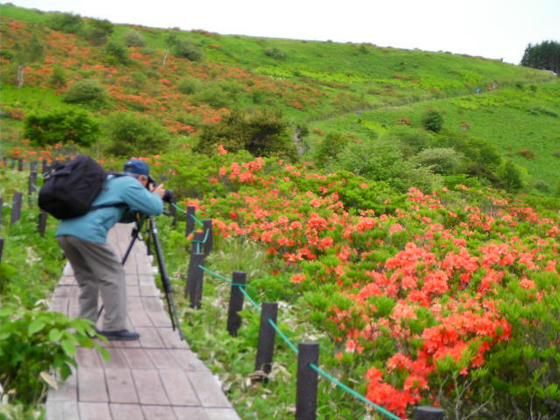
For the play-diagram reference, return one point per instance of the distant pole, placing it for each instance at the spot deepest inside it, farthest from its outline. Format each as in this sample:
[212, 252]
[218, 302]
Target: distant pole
[307, 381]
[1, 248]
[42, 223]
[16, 208]
[236, 300]
[267, 337]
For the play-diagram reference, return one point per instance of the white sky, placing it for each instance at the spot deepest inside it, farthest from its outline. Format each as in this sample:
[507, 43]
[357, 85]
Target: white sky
[488, 28]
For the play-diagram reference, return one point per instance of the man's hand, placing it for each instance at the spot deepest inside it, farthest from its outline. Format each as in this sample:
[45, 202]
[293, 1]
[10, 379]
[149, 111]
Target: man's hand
[158, 190]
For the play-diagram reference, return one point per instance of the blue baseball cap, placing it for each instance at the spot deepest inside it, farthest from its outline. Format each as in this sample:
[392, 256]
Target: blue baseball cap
[137, 167]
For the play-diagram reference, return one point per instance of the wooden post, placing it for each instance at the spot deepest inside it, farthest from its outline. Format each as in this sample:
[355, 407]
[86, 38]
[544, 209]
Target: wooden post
[173, 214]
[1, 209]
[195, 279]
[196, 243]
[191, 210]
[32, 183]
[267, 337]
[42, 223]
[16, 208]
[236, 299]
[1, 248]
[44, 165]
[307, 381]
[13, 165]
[209, 243]
[429, 413]
[20, 165]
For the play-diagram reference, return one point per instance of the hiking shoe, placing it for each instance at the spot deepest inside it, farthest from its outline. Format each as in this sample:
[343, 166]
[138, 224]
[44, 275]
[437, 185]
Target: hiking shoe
[122, 335]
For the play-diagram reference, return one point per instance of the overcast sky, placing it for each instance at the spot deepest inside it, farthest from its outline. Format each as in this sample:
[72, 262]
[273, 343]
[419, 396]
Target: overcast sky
[487, 28]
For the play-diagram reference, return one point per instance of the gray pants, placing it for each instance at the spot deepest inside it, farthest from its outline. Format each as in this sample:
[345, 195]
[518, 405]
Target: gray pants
[97, 271]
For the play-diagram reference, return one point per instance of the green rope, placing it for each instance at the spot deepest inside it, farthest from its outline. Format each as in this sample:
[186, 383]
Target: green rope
[197, 220]
[354, 393]
[178, 208]
[286, 339]
[295, 349]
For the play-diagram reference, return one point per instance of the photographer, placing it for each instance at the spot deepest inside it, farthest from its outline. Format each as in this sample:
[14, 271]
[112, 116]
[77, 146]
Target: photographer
[84, 242]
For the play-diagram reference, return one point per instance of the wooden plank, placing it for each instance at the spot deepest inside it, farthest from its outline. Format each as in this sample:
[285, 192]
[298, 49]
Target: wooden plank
[208, 390]
[221, 414]
[94, 411]
[149, 387]
[189, 361]
[88, 357]
[139, 318]
[190, 413]
[57, 410]
[120, 385]
[158, 412]
[126, 412]
[178, 388]
[171, 338]
[117, 359]
[137, 359]
[162, 359]
[91, 385]
[149, 338]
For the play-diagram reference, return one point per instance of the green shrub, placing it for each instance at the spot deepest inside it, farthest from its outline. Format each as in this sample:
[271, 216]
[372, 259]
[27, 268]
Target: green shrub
[189, 86]
[49, 128]
[58, 78]
[510, 176]
[260, 132]
[412, 140]
[98, 31]
[133, 38]
[116, 53]
[275, 52]
[432, 121]
[327, 150]
[215, 96]
[66, 22]
[33, 344]
[87, 91]
[444, 161]
[135, 135]
[186, 49]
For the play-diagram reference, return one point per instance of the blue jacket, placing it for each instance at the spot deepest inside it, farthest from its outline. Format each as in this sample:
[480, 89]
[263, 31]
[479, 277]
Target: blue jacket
[93, 226]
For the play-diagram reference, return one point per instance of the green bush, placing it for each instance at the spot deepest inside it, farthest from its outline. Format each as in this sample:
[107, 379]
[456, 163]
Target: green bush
[58, 78]
[412, 140]
[116, 53]
[327, 150]
[510, 176]
[98, 31]
[135, 135]
[261, 133]
[432, 121]
[33, 344]
[66, 22]
[186, 49]
[215, 96]
[189, 86]
[275, 52]
[87, 91]
[440, 160]
[49, 128]
[133, 38]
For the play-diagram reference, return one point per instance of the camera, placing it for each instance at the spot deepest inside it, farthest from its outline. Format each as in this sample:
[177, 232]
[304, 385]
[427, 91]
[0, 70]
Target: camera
[167, 195]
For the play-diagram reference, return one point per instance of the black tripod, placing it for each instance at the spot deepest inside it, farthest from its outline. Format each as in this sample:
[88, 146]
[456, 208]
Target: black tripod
[166, 283]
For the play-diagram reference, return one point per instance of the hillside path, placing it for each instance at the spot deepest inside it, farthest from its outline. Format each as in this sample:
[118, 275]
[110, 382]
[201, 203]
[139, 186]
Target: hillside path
[156, 377]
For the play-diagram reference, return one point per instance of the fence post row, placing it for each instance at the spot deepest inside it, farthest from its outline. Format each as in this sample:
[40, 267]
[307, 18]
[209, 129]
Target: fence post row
[236, 299]
[267, 337]
[16, 208]
[307, 381]
[209, 242]
[191, 210]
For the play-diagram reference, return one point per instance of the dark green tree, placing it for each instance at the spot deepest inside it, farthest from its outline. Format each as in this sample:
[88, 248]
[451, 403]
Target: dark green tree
[260, 132]
[58, 126]
[98, 31]
[545, 56]
[31, 51]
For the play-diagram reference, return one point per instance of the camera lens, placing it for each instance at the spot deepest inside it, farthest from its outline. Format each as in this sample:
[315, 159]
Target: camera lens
[168, 196]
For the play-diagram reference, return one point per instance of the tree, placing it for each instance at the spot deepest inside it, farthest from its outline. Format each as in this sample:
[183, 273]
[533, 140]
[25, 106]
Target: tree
[59, 126]
[98, 31]
[545, 56]
[32, 51]
[261, 133]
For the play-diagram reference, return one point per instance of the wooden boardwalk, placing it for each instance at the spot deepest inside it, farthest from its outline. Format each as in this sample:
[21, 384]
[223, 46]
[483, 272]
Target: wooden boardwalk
[156, 377]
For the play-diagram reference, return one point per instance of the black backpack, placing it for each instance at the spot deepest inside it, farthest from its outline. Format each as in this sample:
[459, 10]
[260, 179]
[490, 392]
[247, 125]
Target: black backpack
[70, 188]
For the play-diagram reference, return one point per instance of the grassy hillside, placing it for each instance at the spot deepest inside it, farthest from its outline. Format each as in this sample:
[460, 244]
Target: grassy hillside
[323, 86]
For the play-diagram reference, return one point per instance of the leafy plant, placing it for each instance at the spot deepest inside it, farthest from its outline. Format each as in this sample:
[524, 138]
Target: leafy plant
[36, 343]
[433, 121]
[60, 126]
[87, 91]
[133, 38]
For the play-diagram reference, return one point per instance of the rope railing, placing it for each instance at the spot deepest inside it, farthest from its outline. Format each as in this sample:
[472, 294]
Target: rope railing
[289, 343]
